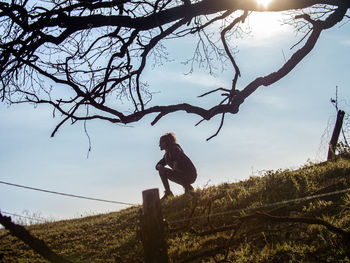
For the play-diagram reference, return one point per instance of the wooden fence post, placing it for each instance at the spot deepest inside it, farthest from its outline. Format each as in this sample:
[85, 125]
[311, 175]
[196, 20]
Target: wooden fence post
[152, 225]
[334, 140]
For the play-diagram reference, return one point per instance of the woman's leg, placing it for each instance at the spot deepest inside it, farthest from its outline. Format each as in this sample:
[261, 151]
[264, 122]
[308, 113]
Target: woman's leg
[188, 188]
[163, 173]
[183, 179]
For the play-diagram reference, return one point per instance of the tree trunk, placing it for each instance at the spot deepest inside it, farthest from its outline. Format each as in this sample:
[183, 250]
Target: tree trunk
[335, 135]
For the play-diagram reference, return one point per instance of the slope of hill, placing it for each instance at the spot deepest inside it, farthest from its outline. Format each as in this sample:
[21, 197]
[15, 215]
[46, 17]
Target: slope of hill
[210, 226]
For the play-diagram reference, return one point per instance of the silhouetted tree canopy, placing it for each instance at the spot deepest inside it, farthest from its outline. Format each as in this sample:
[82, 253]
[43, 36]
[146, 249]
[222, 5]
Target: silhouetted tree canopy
[83, 57]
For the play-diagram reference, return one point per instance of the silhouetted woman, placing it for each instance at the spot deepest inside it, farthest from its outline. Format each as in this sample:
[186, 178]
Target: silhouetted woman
[181, 171]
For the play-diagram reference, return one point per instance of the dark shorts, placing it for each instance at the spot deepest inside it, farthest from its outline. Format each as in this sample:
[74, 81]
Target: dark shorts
[183, 178]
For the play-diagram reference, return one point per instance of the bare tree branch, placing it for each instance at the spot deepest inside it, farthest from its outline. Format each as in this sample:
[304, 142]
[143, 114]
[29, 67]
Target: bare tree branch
[36, 244]
[305, 220]
[77, 54]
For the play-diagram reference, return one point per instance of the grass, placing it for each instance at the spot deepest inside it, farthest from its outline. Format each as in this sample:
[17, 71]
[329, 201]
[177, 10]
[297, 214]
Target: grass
[228, 235]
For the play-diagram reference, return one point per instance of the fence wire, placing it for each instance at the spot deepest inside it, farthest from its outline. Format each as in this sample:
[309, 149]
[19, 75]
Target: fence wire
[70, 195]
[37, 219]
[239, 210]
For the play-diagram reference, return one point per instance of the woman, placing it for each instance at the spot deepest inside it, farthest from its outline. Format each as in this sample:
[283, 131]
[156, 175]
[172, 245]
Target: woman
[181, 171]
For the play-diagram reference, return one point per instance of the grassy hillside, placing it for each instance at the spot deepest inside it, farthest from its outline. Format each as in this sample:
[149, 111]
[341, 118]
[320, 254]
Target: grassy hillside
[309, 230]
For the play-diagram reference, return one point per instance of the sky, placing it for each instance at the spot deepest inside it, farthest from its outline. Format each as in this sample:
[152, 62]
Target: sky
[282, 126]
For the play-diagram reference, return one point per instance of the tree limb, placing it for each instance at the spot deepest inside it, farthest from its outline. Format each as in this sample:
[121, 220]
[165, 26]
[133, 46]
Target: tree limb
[315, 221]
[94, 50]
[36, 244]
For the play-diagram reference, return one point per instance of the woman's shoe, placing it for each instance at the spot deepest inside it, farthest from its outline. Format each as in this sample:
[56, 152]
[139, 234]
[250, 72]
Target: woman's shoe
[167, 194]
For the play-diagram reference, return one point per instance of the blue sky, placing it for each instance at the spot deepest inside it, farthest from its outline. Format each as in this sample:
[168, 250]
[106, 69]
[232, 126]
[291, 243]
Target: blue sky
[279, 126]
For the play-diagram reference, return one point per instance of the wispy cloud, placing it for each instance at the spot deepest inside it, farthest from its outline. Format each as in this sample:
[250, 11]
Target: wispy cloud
[345, 42]
[200, 79]
[276, 102]
[24, 115]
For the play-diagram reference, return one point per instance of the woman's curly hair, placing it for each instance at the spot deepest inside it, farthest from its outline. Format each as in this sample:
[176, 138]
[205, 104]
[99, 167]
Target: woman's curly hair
[169, 138]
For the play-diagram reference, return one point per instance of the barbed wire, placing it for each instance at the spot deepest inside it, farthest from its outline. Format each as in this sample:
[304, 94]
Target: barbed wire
[238, 210]
[42, 220]
[70, 195]
[325, 138]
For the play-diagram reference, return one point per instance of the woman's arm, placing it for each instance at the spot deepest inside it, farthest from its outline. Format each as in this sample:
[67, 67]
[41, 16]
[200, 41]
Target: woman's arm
[160, 164]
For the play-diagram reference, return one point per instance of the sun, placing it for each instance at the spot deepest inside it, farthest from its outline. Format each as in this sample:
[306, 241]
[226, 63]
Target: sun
[265, 25]
[263, 3]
